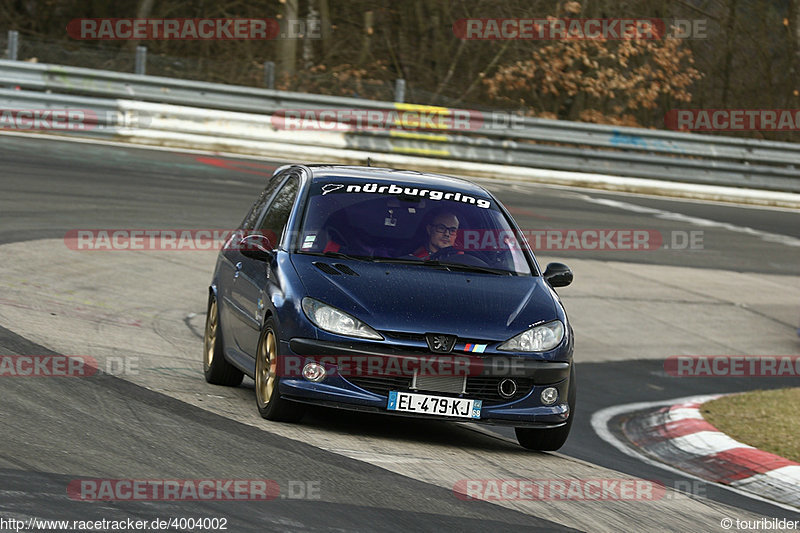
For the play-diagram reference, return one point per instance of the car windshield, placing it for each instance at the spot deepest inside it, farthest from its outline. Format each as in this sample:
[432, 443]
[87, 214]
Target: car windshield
[407, 223]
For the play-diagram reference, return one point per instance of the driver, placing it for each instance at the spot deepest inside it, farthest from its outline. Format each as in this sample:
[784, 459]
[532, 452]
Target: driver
[441, 234]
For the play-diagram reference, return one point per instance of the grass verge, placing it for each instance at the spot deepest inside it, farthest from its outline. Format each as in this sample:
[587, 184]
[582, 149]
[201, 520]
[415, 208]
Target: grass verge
[767, 420]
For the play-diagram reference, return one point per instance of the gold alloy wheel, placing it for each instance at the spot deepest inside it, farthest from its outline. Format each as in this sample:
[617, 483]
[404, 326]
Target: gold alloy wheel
[210, 338]
[266, 369]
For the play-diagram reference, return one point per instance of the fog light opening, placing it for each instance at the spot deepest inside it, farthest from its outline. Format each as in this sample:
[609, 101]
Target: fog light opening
[314, 372]
[549, 395]
[507, 388]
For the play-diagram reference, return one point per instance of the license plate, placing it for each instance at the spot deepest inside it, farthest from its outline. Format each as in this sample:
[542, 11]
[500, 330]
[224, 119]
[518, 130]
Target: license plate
[410, 402]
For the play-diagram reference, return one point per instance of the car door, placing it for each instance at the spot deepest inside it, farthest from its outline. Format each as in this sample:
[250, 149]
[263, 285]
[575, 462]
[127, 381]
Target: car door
[249, 291]
[233, 261]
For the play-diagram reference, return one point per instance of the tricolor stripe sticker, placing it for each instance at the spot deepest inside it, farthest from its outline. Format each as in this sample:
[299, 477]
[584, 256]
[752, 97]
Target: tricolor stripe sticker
[477, 348]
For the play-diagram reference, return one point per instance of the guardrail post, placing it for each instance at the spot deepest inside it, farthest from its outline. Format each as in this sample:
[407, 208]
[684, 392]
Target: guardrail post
[400, 90]
[141, 60]
[269, 74]
[13, 44]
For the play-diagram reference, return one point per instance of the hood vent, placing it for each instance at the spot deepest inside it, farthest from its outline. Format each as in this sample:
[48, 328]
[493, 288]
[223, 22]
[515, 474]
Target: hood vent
[332, 270]
[325, 267]
[345, 269]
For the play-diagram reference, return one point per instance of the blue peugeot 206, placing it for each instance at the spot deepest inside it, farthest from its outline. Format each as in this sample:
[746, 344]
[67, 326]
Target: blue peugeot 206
[396, 292]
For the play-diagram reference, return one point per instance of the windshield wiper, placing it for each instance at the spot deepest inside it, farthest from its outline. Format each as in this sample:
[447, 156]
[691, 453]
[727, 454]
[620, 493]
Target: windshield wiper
[444, 266]
[474, 268]
[399, 260]
[408, 261]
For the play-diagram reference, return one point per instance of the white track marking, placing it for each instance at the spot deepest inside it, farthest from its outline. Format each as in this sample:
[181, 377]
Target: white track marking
[706, 442]
[697, 221]
[684, 414]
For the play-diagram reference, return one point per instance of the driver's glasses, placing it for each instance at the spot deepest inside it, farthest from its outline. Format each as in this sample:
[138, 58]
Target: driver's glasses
[441, 228]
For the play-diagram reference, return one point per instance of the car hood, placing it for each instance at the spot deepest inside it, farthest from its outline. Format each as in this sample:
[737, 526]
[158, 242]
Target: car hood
[419, 299]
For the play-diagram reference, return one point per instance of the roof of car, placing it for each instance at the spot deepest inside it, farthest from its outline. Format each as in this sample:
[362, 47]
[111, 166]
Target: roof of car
[440, 181]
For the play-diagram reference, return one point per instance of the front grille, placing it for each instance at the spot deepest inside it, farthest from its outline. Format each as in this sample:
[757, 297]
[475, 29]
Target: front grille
[478, 388]
[451, 384]
[420, 337]
[401, 335]
[485, 388]
[381, 384]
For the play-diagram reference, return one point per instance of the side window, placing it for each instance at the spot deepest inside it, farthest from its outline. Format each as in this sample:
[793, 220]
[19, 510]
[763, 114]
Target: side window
[277, 216]
[249, 221]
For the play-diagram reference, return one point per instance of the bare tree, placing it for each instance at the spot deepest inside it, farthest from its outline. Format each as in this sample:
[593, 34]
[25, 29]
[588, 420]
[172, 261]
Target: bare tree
[287, 46]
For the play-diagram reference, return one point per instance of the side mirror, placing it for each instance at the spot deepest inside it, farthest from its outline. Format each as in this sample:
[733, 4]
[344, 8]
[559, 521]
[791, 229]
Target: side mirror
[256, 246]
[557, 275]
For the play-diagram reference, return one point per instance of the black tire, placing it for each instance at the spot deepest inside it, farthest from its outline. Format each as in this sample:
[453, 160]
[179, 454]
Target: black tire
[271, 405]
[551, 439]
[216, 368]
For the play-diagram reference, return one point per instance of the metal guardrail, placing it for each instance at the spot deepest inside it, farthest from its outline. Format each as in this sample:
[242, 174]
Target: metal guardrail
[538, 143]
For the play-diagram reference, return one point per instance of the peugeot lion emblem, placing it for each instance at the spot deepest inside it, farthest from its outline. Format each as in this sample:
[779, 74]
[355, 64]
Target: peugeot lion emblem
[440, 343]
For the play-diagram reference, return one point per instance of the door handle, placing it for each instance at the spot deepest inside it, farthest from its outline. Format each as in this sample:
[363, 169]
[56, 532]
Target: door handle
[237, 270]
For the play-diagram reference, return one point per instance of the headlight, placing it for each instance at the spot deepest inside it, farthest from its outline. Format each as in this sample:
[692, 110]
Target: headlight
[331, 319]
[537, 339]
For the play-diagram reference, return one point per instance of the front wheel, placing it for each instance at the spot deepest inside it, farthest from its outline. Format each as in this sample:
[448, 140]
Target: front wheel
[550, 439]
[271, 405]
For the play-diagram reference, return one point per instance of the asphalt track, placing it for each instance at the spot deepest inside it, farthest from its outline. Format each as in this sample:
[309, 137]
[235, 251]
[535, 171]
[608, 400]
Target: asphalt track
[58, 430]
[134, 433]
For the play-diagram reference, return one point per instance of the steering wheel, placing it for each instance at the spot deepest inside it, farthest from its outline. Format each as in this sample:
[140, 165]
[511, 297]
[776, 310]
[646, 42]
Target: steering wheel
[441, 253]
[458, 257]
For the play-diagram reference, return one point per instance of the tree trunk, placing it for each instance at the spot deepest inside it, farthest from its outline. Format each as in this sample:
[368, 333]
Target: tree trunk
[142, 12]
[312, 23]
[793, 38]
[366, 40]
[325, 23]
[730, 25]
[287, 48]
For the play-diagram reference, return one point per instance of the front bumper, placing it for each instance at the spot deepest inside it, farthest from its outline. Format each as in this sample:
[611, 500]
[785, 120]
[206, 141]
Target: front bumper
[336, 390]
